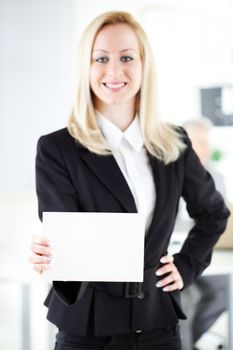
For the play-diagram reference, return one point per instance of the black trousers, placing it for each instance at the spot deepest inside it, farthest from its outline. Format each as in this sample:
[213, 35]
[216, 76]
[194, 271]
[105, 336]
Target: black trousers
[167, 338]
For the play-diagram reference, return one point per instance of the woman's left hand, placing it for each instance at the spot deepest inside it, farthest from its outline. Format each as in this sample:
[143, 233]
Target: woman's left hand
[173, 279]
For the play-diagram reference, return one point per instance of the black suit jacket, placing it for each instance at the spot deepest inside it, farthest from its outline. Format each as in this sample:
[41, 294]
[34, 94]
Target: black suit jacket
[70, 178]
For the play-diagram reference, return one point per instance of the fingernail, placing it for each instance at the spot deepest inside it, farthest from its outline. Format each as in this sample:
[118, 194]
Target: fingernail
[158, 273]
[158, 284]
[163, 260]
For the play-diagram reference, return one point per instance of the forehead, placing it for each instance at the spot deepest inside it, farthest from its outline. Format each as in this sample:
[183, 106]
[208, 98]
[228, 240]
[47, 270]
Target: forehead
[116, 37]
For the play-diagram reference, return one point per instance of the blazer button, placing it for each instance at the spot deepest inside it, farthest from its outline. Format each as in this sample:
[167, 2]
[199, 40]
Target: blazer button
[141, 295]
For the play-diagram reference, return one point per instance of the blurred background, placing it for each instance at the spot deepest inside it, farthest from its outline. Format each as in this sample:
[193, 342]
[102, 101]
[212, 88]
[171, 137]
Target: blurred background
[193, 45]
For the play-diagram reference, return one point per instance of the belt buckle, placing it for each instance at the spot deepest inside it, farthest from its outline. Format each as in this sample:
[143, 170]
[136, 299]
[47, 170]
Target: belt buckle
[132, 289]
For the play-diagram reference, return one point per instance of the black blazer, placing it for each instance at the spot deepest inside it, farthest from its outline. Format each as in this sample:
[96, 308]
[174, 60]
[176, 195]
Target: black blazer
[70, 178]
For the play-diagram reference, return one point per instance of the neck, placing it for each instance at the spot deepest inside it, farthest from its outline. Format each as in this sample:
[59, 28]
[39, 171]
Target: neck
[120, 115]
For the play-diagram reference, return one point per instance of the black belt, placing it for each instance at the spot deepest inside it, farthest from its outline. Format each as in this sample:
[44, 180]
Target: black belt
[133, 289]
[129, 289]
[124, 289]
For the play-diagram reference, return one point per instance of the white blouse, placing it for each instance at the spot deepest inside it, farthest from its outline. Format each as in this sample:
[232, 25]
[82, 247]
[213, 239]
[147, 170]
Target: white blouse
[132, 158]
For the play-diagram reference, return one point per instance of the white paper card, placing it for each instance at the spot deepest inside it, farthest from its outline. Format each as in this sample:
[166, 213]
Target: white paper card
[95, 246]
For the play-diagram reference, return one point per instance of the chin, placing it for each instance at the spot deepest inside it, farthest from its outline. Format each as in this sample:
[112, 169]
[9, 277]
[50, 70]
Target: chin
[114, 101]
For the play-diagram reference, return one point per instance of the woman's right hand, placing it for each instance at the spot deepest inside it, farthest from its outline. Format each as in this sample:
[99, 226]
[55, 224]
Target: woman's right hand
[41, 253]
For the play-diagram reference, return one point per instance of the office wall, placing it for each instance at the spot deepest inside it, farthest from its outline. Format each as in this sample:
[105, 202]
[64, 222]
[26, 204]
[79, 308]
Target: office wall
[37, 47]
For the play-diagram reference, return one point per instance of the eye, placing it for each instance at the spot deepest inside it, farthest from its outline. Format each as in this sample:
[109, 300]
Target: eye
[126, 58]
[101, 59]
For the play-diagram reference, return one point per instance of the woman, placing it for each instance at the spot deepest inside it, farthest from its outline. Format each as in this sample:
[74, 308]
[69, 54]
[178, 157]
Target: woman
[117, 156]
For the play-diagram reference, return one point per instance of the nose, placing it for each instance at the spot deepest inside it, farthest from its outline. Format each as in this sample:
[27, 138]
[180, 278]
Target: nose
[114, 68]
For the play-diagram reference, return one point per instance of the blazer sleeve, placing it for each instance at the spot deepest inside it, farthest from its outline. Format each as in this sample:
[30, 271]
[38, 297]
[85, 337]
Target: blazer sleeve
[206, 207]
[56, 192]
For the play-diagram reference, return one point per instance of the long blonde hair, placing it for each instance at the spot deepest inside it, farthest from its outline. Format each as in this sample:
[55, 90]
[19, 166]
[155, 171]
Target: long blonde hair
[161, 139]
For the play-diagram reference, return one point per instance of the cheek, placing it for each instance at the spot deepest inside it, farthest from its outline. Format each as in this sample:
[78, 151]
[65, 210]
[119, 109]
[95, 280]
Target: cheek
[136, 73]
[95, 74]
[137, 77]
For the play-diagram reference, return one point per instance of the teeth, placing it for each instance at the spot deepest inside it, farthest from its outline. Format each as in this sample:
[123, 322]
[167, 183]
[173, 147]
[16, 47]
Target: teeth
[115, 86]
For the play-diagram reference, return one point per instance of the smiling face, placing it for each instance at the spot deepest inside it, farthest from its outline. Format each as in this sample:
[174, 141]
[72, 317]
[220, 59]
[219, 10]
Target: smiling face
[116, 67]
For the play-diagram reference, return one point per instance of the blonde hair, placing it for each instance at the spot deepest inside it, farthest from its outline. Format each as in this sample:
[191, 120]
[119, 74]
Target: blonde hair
[161, 139]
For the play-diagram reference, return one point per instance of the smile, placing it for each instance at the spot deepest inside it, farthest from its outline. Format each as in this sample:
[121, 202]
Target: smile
[114, 86]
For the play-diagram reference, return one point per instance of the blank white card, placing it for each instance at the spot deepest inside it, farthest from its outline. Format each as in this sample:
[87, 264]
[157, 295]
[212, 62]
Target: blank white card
[95, 246]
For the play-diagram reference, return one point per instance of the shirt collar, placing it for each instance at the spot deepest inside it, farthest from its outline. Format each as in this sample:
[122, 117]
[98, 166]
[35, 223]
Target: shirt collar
[114, 135]
[133, 135]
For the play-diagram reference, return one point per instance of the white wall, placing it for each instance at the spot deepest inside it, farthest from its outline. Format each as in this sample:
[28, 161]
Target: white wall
[37, 47]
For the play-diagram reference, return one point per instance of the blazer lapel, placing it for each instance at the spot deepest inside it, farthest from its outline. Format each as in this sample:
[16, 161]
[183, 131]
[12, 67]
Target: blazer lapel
[163, 185]
[108, 172]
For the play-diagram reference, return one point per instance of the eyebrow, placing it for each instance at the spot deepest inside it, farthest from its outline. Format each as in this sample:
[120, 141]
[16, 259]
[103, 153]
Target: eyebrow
[105, 51]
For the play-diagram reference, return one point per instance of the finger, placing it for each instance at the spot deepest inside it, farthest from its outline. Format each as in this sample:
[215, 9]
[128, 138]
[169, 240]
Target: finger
[172, 287]
[171, 282]
[167, 259]
[40, 267]
[178, 284]
[41, 249]
[165, 269]
[37, 259]
[167, 280]
[41, 240]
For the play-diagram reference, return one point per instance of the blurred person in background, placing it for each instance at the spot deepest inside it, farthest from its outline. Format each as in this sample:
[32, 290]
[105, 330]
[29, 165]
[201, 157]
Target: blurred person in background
[206, 299]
